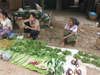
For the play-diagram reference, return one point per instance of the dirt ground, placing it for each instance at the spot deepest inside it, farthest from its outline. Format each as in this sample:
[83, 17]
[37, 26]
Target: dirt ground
[86, 40]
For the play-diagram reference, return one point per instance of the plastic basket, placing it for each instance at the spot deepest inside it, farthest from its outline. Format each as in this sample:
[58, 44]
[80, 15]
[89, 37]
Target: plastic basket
[92, 17]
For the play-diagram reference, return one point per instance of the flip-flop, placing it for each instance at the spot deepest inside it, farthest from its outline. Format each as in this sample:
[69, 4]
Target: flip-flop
[27, 37]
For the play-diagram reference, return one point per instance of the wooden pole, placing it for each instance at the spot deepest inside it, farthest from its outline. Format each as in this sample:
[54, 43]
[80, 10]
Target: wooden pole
[0, 4]
[99, 24]
[98, 9]
[42, 4]
[58, 5]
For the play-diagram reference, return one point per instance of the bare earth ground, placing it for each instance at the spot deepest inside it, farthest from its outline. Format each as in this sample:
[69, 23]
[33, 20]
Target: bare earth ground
[86, 41]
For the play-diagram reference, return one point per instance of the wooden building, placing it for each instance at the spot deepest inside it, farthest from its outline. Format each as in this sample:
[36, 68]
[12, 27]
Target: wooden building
[88, 5]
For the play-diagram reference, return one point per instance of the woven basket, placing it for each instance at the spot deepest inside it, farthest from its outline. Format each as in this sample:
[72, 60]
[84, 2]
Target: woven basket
[92, 17]
[19, 22]
[98, 43]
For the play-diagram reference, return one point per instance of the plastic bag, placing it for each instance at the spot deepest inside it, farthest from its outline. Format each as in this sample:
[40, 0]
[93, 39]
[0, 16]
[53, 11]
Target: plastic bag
[1, 53]
[11, 36]
[38, 8]
[92, 13]
[6, 56]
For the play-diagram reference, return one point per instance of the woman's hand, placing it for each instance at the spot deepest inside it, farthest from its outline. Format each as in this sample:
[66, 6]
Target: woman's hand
[64, 38]
[0, 25]
[27, 27]
[23, 24]
[1, 32]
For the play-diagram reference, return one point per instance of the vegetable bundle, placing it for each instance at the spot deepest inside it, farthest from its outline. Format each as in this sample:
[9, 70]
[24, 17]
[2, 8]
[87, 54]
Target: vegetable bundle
[55, 67]
[37, 48]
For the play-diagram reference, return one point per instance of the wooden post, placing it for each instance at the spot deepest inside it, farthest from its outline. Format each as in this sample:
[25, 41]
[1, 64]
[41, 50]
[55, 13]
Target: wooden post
[58, 5]
[0, 4]
[98, 9]
[42, 4]
[99, 24]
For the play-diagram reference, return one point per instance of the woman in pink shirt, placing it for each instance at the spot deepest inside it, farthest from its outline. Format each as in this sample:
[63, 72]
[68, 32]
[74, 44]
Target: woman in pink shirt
[70, 31]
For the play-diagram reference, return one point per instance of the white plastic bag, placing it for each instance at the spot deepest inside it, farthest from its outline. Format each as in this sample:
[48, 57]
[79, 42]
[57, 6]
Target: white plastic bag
[1, 53]
[6, 56]
[38, 8]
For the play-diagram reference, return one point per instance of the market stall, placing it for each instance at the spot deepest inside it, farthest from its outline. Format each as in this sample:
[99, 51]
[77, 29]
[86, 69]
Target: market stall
[36, 55]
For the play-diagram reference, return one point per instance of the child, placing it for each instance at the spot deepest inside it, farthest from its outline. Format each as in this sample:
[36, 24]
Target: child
[32, 26]
[5, 23]
[70, 31]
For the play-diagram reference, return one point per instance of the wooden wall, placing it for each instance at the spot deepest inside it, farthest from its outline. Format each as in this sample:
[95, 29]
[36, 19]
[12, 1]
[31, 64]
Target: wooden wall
[15, 4]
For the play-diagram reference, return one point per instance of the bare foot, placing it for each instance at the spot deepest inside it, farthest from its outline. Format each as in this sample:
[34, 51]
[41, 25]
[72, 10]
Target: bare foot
[0, 37]
[75, 43]
[29, 35]
[62, 45]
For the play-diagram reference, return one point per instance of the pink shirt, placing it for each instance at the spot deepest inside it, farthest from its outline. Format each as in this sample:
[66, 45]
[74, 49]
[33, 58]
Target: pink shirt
[73, 29]
[35, 23]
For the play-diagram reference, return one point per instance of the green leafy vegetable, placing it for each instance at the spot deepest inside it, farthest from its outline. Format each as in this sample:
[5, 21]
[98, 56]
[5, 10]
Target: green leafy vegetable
[66, 52]
[76, 56]
[95, 57]
[55, 67]
[80, 53]
[96, 63]
[87, 55]
[86, 60]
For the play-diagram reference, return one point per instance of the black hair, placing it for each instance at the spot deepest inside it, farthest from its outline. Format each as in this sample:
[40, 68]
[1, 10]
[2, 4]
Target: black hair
[5, 13]
[33, 14]
[75, 21]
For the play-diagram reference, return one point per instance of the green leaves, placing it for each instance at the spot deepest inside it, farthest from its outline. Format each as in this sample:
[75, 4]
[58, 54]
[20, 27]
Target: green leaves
[57, 50]
[95, 57]
[76, 56]
[87, 55]
[96, 62]
[86, 60]
[55, 67]
[31, 47]
[80, 53]
[66, 52]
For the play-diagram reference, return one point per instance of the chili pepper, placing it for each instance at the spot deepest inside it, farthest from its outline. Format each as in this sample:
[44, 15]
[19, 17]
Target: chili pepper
[34, 63]
[7, 40]
[1, 47]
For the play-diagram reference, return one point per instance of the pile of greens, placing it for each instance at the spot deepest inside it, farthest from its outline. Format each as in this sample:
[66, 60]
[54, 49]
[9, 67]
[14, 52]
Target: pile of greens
[86, 58]
[55, 67]
[76, 56]
[37, 48]
[66, 52]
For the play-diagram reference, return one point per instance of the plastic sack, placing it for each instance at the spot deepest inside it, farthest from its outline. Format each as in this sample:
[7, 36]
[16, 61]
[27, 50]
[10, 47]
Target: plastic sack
[92, 13]
[6, 56]
[11, 36]
[1, 53]
[38, 8]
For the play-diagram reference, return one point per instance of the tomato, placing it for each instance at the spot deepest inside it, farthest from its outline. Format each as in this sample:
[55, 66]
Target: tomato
[1, 47]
